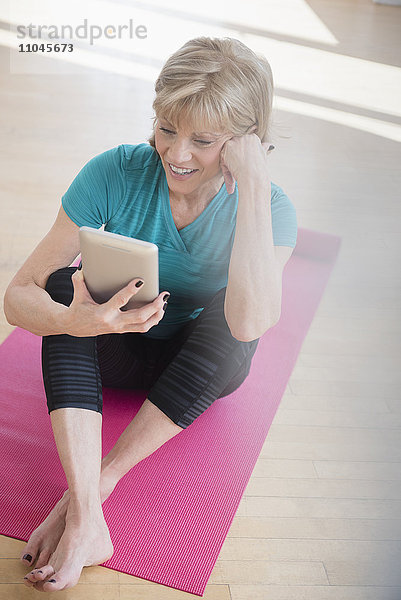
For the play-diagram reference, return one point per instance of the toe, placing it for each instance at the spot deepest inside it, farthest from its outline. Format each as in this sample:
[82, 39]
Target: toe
[28, 556]
[40, 574]
[35, 575]
[44, 572]
[43, 559]
[62, 579]
[30, 551]
[51, 585]
[27, 582]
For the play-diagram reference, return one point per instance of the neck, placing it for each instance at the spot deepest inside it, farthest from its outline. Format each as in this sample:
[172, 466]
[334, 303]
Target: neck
[199, 197]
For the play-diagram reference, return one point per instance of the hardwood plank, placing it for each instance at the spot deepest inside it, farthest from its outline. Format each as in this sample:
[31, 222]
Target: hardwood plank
[314, 592]
[271, 468]
[360, 436]
[10, 548]
[363, 370]
[353, 342]
[352, 365]
[14, 591]
[13, 571]
[281, 487]
[360, 389]
[333, 403]
[394, 404]
[325, 507]
[161, 592]
[316, 528]
[379, 471]
[336, 451]
[384, 571]
[269, 572]
[337, 418]
[237, 548]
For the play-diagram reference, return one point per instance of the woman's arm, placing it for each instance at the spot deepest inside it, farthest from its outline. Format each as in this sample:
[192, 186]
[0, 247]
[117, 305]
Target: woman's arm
[254, 288]
[28, 305]
[253, 296]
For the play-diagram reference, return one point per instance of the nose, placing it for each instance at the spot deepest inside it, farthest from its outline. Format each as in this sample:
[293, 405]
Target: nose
[179, 151]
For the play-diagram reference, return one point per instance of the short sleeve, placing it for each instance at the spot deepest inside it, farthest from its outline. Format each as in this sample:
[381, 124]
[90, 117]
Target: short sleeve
[284, 218]
[98, 190]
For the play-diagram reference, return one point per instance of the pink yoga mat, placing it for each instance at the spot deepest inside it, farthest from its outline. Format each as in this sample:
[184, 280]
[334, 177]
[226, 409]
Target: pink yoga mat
[170, 515]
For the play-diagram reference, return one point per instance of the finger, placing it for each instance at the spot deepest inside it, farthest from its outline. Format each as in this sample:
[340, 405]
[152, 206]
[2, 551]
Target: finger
[121, 298]
[153, 320]
[139, 316]
[268, 147]
[78, 274]
[156, 318]
[80, 289]
[227, 175]
[230, 184]
[228, 179]
[77, 279]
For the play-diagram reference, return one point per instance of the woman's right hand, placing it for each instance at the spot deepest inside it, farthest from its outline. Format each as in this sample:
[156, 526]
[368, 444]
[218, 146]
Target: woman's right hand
[87, 318]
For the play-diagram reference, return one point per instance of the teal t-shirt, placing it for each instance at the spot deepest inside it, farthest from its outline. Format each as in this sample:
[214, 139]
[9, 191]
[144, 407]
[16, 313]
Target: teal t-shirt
[126, 190]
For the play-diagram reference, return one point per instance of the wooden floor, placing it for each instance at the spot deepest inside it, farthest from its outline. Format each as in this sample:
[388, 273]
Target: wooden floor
[321, 516]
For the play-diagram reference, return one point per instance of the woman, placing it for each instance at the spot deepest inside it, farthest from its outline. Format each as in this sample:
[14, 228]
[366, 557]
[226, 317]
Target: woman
[201, 191]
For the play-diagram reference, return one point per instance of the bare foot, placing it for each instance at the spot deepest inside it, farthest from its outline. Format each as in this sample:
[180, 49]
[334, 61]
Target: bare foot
[44, 540]
[85, 542]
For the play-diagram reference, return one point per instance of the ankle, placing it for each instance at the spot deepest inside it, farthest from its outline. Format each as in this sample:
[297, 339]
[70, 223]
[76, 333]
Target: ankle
[82, 522]
[110, 473]
[108, 481]
[62, 505]
[110, 468]
[83, 505]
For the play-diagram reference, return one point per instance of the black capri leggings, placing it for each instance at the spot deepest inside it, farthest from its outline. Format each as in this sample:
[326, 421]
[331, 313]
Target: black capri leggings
[183, 375]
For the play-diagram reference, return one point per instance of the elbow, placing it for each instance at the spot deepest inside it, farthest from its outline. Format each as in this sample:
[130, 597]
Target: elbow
[7, 309]
[245, 338]
[7, 313]
[249, 334]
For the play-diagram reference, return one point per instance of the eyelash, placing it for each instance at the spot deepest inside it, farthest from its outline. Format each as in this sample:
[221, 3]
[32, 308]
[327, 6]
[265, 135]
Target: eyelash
[169, 132]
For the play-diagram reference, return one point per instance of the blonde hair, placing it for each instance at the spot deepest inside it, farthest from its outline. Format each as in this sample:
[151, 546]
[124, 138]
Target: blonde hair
[217, 83]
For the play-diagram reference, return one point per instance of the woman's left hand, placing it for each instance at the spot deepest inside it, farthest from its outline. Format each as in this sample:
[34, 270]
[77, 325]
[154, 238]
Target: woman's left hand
[242, 157]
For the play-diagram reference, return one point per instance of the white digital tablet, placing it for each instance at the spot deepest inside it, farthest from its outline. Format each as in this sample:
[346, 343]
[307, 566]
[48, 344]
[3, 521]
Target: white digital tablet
[110, 261]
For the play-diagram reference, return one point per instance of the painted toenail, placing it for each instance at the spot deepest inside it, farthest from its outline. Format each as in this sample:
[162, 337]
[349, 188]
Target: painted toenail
[27, 557]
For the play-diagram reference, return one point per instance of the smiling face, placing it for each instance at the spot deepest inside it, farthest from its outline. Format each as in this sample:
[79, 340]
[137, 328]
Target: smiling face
[191, 160]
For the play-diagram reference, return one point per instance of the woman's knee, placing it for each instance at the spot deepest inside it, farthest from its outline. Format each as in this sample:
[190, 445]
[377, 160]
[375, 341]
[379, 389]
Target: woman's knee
[59, 285]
